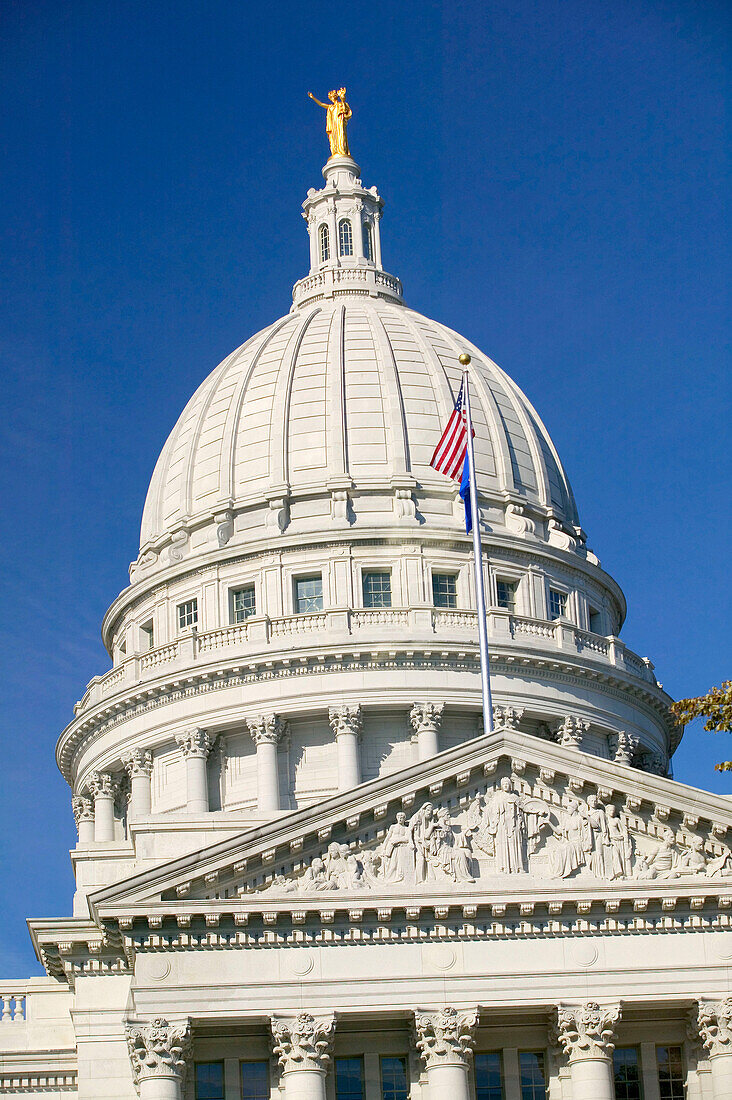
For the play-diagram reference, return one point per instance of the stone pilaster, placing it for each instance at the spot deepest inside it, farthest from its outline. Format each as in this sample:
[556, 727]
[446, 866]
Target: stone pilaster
[426, 719]
[103, 788]
[83, 810]
[346, 724]
[302, 1044]
[195, 745]
[138, 765]
[586, 1035]
[267, 730]
[570, 731]
[444, 1039]
[714, 1022]
[158, 1052]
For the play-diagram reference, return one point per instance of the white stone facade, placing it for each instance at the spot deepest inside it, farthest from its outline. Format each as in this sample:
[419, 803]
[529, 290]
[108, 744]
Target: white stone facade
[297, 845]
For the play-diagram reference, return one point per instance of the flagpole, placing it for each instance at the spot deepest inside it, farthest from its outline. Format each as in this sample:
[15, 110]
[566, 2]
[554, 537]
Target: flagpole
[485, 675]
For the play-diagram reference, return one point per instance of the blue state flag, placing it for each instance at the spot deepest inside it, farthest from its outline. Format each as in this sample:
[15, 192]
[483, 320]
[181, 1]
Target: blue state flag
[465, 493]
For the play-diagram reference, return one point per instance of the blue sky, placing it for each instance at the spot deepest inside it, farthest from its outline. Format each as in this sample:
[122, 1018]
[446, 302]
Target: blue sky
[554, 179]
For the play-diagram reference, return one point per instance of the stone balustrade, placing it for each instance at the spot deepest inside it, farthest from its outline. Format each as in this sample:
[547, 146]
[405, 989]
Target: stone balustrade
[13, 998]
[414, 623]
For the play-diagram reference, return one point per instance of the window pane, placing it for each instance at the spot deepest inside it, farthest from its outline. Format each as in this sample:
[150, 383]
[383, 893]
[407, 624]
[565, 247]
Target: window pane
[324, 244]
[670, 1073]
[368, 250]
[444, 589]
[255, 1081]
[308, 594]
[557, 604]
[506, 593]
[377, 590]
[209, 1081]
[187, 614]
[488, 1077]
[533, 1079]
[394, 1079]
[345, 238]
[349, 1078]
[244, 603]
[627, 1074]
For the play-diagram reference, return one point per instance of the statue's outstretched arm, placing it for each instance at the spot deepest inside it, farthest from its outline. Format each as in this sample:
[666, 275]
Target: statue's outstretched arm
[316, 100]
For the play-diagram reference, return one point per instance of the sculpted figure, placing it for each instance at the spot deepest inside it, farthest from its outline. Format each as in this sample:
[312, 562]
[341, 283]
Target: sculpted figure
[315, 877]
[337, 114]
[662, 862]
[397, 851]
[694, 861]
[421, 826]
[720, 865]
[507, 825]
[574, 842]
[341, 867]
[621, 843]
[601, 850]
[478, 826]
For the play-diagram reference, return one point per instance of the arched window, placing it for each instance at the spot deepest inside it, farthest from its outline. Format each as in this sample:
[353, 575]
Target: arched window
[345, 238]
[324, 236]
[368, 241]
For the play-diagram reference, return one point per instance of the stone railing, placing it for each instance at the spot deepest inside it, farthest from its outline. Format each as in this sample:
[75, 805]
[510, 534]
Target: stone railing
[333, 280]
[415, 623]
[13, 999]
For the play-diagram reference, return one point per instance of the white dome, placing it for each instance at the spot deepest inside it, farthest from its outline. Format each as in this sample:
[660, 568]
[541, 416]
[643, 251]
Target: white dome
[352, 392]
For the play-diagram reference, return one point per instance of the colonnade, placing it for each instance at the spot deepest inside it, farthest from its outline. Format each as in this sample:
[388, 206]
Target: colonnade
[94, 811]
[444, 1038]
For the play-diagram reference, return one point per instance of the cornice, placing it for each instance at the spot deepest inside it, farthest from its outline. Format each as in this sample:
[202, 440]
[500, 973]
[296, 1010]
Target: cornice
[202, 679]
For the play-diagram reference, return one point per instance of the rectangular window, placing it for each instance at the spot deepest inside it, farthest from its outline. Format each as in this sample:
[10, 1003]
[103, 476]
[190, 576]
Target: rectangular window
[670, 1073]
[187, 614]
[394, 1084]
[377, 589]
[147, 635]
[308, 595]
[349, 1078]
[444, 589]
[488, 1076]
[209, 1077]
[557, 604]
[532, 1074]
[627, 1074]
[595, 618]
[506, 594]
[254, 1080]
[243, 603]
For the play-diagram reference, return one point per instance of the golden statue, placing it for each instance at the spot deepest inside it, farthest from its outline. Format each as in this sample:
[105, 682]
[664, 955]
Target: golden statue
[337, 115]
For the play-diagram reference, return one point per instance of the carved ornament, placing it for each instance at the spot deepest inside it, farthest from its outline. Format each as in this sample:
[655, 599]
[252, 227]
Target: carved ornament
[266, 729]
[445, 1037]
[195, 743]
[158, 1049]
[714, 1021]
[303, 1041]
[587, 1031]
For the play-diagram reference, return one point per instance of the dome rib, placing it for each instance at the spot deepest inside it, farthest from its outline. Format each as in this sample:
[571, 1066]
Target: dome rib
[394, 418]
[336, 422]
[279, 473]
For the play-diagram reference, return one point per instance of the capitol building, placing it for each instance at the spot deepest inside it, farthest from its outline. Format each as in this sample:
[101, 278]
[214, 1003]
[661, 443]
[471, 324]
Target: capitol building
[306, 869]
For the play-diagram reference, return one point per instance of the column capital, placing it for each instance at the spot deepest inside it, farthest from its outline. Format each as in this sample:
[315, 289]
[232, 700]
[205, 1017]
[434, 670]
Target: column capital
[587, 1031]
[507, 717]
[346, 720]
[570, 731]
[426, 716]
[195, 742]
[266, 729]
[714, 1021]
[158, 1049]
[138, 762]
[102, 785]
[445, 1037]
[303, 1041]
[82, 809]
[624, 746]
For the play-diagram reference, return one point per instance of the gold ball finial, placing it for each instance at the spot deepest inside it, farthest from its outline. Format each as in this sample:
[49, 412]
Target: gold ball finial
[464, 358]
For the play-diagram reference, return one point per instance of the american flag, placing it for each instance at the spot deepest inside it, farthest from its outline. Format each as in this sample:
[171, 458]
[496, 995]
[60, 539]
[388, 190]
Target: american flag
[449, 454]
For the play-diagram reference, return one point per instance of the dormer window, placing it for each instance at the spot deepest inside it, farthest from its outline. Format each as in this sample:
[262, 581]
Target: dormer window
[345, 238]
[368, 241]
[324, 241]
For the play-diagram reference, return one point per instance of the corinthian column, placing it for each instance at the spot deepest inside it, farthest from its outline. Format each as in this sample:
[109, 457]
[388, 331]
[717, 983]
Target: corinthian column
[195, 745]
[426, 719]
[267, 730]
[84, 817]
[714, 1020]
[586, 1034]
[158, 1053]
[303, 1044]
[138, 765]
[103, 790]
[445, 1041]
[346, 725]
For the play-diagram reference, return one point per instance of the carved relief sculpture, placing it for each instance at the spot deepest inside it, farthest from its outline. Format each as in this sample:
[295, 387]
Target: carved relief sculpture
[158, 1049]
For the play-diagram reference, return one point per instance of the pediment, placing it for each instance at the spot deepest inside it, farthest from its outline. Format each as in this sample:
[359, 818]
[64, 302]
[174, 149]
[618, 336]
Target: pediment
[504, 816]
